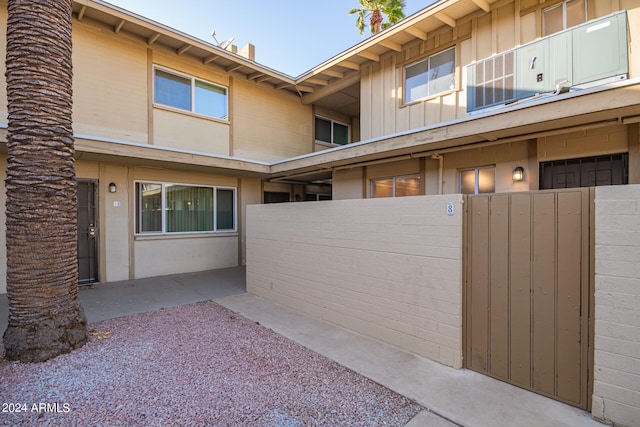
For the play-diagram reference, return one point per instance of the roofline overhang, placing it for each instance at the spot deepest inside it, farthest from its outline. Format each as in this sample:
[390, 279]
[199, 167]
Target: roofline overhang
[614, 103]
[375, 39]
[607, 105]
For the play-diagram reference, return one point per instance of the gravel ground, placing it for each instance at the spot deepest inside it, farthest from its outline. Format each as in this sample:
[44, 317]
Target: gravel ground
[193, 365]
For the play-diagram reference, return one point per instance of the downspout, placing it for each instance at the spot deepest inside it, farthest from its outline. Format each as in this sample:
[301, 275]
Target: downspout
[440, 160]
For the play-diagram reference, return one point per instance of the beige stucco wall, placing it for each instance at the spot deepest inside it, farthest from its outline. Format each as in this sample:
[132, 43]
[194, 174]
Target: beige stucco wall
[387, 268]
[172, 254]
[611, 139]
[268, 124]
[616, 393]
[109, 84]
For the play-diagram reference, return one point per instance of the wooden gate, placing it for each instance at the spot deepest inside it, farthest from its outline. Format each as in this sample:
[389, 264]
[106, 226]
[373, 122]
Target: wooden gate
[527, 290]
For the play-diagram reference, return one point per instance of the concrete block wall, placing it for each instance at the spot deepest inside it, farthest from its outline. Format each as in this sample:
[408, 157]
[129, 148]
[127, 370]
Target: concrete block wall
[616, 394]
[387, 268]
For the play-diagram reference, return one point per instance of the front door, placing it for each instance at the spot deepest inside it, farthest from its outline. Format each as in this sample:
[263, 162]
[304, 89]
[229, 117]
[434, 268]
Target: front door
[87, 232]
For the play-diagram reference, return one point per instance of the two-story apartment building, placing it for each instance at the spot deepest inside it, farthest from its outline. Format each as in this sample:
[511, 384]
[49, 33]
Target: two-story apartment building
[176, 137]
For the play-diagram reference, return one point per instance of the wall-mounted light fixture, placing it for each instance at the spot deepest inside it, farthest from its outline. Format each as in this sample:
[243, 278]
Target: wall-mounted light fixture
[518, 173]
[112, 187]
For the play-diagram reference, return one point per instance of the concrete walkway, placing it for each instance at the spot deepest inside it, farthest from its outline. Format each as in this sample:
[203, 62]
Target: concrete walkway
[452, 397]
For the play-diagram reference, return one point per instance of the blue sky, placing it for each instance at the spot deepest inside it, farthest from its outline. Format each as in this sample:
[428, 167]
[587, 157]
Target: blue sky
[290, 36]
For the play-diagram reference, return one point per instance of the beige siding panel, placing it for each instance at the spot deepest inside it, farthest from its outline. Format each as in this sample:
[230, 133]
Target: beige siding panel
[484, 37]
[109, 85]
[528, 31]
[633, 15]
[249, 193]
[594, 142]
[505, 27]
[378, 99]
[195, 178]
[386, 170]
[267, 124]
[156, 256]
[417, 113]
[190, 132]
[505, 157]
[432, 111]
[115, 223]
[348, 184]
[366, 103]
[617, 296]
[389, 84]
[387, 268]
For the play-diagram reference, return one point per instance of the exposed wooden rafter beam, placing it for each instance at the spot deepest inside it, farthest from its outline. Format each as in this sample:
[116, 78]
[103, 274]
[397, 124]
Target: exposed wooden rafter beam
[255, 76]
[118, 27]
[154, 38]
[483, 4]
[282, 85]
[349, 64]
[304, 89]
[446, 19]
[417, 33]
[81, 12]
[183, 49]
[233, 67]
[369, 55]
[391, 45]
[333, 73]
[264, 78]
[315, 81]
[209, 59]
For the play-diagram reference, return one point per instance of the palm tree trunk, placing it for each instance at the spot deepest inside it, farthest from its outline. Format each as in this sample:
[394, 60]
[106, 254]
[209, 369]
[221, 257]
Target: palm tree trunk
[376, 20]
[45, 316]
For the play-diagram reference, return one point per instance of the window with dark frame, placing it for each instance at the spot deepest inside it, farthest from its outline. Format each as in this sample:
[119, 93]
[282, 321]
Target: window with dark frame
[585, 172]
[331, 131]
[163, 208]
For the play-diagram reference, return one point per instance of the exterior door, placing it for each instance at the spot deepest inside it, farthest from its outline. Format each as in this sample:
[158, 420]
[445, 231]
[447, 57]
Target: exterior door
[87, 232]
[527, 291]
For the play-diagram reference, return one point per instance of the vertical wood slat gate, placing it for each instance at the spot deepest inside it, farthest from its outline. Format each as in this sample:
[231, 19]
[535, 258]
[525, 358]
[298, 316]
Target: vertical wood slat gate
[527, 289]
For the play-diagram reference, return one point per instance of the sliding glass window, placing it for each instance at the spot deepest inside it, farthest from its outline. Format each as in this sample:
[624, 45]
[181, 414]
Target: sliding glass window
[176, 208]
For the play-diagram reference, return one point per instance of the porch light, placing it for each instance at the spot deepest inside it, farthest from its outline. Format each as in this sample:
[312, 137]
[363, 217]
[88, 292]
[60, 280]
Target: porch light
[112, 187]
[518, 173]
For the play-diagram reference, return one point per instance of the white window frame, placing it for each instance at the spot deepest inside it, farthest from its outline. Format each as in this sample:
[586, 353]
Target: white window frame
[163, 198]
[394, 179]
[193, 81]
[563, 5]
[332, 124]
[428, 59]
[477, 179]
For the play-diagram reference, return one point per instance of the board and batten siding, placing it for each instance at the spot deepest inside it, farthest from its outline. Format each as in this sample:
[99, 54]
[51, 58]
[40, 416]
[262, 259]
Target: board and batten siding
[477, 36]
[387, 268]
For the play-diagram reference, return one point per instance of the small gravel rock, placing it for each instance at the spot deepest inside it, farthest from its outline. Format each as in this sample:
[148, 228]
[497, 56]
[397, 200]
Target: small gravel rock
[194, 365]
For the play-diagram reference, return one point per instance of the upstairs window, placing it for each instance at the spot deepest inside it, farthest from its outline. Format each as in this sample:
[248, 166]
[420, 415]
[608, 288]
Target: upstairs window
[431, 76]
[563, 15]
[189, 94]
[331, 132]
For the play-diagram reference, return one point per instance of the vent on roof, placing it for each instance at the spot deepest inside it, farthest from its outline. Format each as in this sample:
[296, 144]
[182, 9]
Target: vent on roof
[592, 53]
